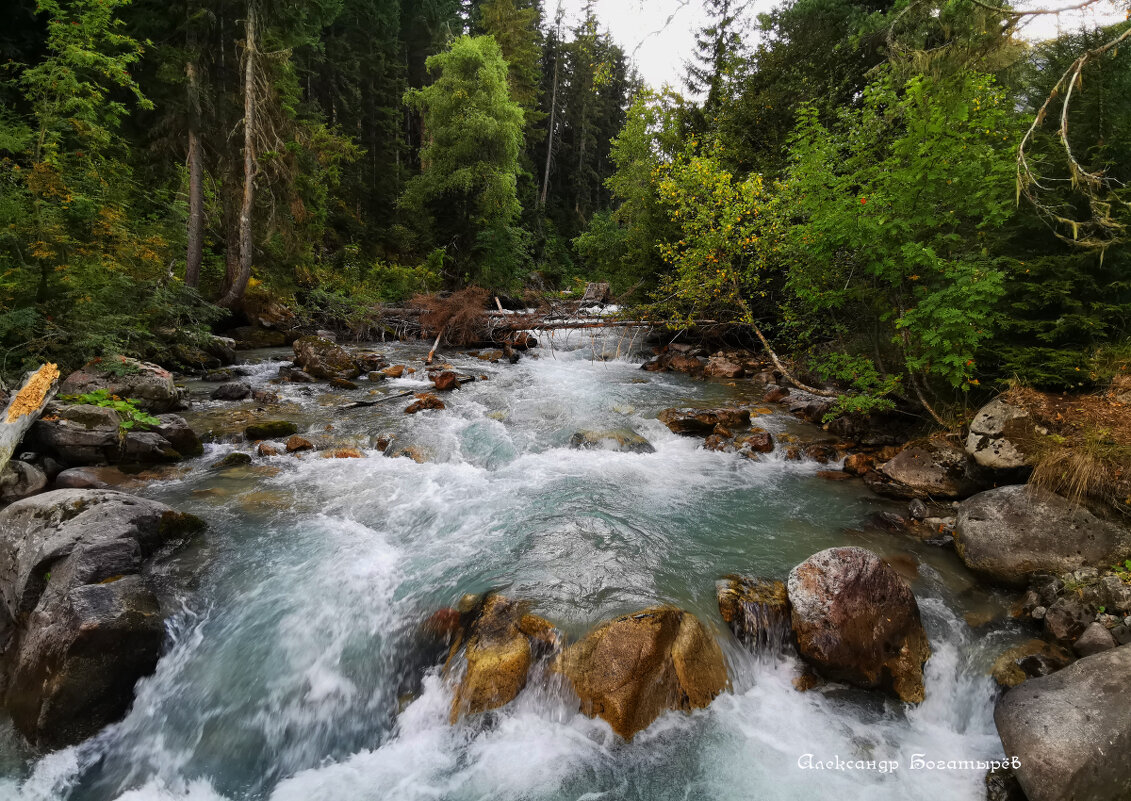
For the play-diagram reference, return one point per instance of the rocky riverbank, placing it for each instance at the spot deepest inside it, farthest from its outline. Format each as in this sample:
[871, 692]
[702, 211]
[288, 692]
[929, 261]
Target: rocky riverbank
[845, 613]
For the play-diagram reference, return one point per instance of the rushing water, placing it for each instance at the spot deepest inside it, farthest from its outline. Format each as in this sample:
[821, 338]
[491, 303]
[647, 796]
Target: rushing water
[292, 673]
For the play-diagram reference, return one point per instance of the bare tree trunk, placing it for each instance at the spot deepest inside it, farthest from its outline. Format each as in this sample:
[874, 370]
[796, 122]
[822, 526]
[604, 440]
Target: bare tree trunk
[553, 117]
[239, 286]
[195, 255]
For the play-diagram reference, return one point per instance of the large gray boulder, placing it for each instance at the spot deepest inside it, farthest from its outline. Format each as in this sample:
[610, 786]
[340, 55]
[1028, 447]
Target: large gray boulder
[1071, 730]
[79, 621]
[857, 621]
[83, 435]
[997, 439]
[1010, 532]
[322, 358]
[150, 386]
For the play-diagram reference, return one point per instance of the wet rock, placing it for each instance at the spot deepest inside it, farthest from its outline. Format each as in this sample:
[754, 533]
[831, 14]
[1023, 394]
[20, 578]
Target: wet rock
[820, 453]
[634, 668]
[148, 447]
[873, 430]
[343, 453]
[757, 441]
[807, 407]
[997, 438]
[1071, 730]
[396, 371]
[295, 444]
[1002, 785]
[679, 363]
[94, 478]
[757, 611]
[264, 396]
[377, 375]
[294, 375]
[623, 440]
[499, 655]
[1029, 660]
[19, 480]
[775, 394]
[1066, 620]
[1095, 639]
[342, 383]
[190, 359]
[321, 358]
[425, 401]
[180, 435]
[446, 381]
[266, 449]
[702, 422]
[86, 625]
[928, 468]
[858, 464]
[1010, 532]
[722, 367]
[234, 459]
[150, 386]
[857, 621]
[719, 443]
[270, 429]
[1113, 594]
[368, 361]
[833, 475]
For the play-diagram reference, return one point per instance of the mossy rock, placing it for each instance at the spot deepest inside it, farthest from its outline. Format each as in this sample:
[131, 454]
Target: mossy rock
[235, 459]
[271, 429]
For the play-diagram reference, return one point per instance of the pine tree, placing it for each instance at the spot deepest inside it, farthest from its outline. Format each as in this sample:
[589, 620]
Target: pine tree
[717, 56]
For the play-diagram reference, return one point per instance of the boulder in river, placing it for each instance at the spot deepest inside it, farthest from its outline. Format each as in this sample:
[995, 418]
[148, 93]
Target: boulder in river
[445, 381]
[1029, 660]
[624, 440]
[702, 422]
[928, 468]
[321, 358]
[1010, 532]
[857, 621]
[424, 401]
[499, 654]
[634, 668]
[150, 386]
[1071, 731]
[722, 367]
[83, 435]
[232, 391]
[81, 622]
[757, 611]
[270, 429]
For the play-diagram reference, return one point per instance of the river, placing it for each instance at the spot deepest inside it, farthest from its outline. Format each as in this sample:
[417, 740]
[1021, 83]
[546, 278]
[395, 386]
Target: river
[291, 672]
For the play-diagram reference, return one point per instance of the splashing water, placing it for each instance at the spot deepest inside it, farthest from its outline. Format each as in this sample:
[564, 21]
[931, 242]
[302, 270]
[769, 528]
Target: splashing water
[294, 672]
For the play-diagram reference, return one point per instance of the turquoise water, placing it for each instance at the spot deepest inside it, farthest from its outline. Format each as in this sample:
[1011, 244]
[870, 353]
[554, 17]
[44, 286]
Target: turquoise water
[294, 672]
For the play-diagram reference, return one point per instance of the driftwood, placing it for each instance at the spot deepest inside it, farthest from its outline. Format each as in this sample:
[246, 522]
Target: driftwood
[25, 407]
[435, 345]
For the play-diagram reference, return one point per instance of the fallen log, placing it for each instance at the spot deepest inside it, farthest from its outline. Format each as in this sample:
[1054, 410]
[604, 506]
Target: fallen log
[374, 402]
[25, 407]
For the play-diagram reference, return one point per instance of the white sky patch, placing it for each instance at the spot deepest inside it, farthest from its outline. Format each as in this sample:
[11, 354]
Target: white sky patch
[660, 34]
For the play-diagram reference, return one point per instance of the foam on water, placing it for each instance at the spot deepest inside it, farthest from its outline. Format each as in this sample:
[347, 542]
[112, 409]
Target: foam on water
[295, 672]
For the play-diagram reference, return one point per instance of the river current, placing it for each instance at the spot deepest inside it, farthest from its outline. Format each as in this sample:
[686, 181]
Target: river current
[292, 671]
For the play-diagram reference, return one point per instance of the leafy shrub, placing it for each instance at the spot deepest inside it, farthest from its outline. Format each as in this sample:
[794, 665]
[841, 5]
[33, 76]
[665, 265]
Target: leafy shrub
[131, 416]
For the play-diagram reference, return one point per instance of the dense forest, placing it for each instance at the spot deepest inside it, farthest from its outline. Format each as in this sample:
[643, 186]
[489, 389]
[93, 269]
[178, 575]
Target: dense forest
[909, 198]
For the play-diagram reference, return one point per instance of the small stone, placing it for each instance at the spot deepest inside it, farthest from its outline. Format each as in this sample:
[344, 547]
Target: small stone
[231, 391]
[396, 371]
[446, 381]
[377, 375]
[296, 443]
[342, 383]
[343, 453]
[266, 449]
[917, 509]
[1038, 613]
[424, 401]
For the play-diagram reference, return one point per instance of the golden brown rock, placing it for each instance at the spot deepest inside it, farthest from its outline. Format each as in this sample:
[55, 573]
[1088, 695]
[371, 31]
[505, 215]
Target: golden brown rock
[632, 669]
[498, 659]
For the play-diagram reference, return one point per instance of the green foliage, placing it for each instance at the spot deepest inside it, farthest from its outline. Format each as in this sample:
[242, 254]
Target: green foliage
[871, 390]
[895, 216]
[466, 192]
[728, 230]
[128, 412]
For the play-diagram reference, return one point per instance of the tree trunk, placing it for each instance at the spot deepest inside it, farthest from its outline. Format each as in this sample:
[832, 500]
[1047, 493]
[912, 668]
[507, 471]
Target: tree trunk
[550, 134]
[24, 408]
[239, 286]
[194, 258]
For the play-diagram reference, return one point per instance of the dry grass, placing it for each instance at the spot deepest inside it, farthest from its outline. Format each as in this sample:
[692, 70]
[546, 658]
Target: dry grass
[460, 317]
[1081, 447]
